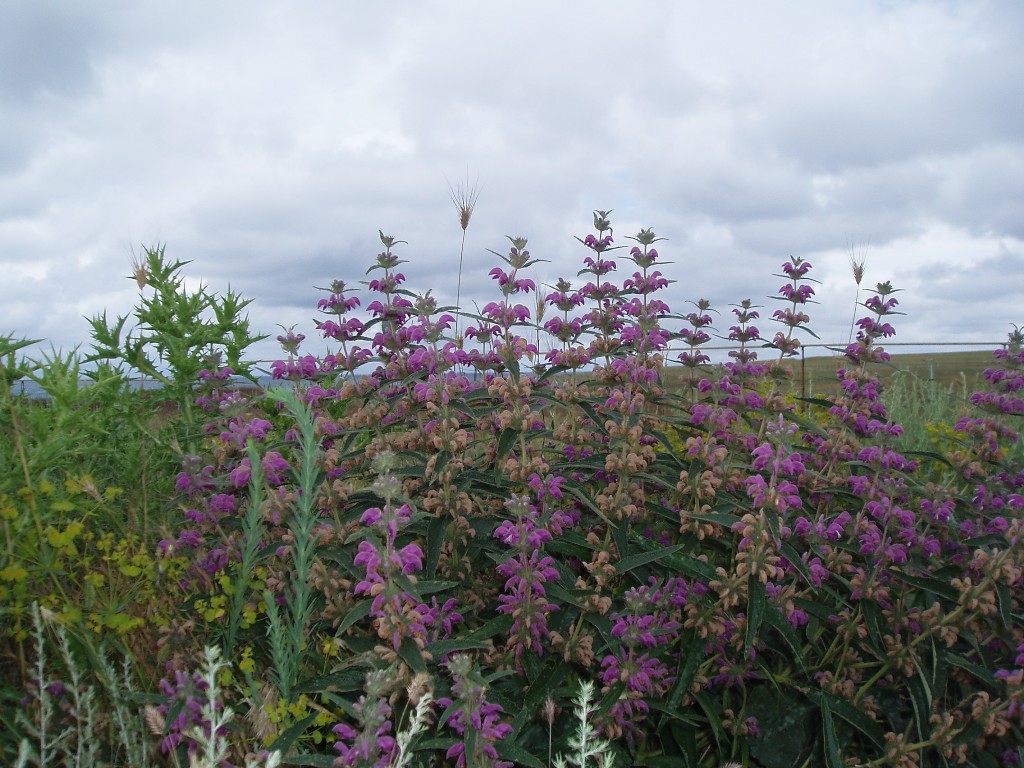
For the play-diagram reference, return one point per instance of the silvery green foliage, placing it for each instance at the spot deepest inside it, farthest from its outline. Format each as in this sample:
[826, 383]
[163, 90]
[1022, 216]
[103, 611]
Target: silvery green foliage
[76, 744]
[587, 747]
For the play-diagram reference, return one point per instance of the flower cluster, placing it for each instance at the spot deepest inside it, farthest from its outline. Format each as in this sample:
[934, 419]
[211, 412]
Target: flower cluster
[476, 720]
[708, 548]
[373, 745]
[526, 573]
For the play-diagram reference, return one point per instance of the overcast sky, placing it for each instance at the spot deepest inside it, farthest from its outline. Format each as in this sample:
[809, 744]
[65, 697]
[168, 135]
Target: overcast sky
[267, 142]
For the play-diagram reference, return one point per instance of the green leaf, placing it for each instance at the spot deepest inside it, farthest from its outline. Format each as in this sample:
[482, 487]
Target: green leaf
[756, 600]
[499, 625]
[403, 581]
[874, 619]
[956, 660]
[360, 612]
[531, 666]
[470, 737]
[1005, 601]
[929, 455]
[621, 541]
[570, 544]
[440, 648]
[633, 561]
[555, 673]
[584, 498]
[442, 744]
[348, 680]
[513, 366]
[851, 714]
[608, 701]
[689, 662]
[787, 723]
[284, 742]
[565, 596]
[789, 552]
[777, 621]
[517, 754]
[686, 738]
[832, 757]
[552, 371]
[546, 682]
[692, 567]
[505, 442]
[723, 519]
[443, 457]
[429, 587]
[920, 699]
[664, 761]
[476, 394]
[712, 717]
[818, 610]
[435, 539]
[588, 409]
[411, 655]
[929, 583]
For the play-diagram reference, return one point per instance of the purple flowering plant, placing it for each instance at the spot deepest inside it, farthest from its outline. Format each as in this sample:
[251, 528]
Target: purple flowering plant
[743, 576]
[525, 506]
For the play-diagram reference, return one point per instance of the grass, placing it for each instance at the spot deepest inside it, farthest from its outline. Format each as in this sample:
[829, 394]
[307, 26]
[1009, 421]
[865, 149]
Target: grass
[816, 375]
[942, 368]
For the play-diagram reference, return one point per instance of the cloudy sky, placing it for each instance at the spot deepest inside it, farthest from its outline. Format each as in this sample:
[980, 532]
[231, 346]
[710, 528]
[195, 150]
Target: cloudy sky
[267, 142]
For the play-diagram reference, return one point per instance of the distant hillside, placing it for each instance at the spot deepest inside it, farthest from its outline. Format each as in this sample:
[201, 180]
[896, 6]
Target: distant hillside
[817, 374]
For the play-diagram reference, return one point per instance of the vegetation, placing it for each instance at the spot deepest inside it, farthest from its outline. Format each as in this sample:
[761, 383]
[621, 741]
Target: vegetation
[529, 543]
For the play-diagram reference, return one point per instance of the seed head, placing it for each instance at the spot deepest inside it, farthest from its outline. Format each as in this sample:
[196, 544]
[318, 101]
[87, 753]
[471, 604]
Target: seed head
[154, 720]
[418, 686]
[140, 272]
[857, 262]
[549, 710]
[858, 270]
[464, 197]
[542, 305]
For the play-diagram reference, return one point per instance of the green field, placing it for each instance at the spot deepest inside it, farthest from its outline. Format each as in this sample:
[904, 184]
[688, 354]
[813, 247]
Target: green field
[948, 370]
[943, 368]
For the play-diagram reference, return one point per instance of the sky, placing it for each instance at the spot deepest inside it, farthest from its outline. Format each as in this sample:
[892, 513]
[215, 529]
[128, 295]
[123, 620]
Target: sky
[268, 142]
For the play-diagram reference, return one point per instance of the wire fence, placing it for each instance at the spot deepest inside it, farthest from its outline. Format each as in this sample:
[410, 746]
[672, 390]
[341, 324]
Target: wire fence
[936, 361]
[943, 362]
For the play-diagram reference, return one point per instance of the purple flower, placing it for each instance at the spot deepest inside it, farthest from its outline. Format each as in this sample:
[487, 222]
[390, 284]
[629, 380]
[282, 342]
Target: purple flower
[190, 538]
[223, 503]
[275, 467]
[372, 745]
[525, 599]
[473, 711]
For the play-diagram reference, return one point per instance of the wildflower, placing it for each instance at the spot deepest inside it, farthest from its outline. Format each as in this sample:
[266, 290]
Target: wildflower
[290, 341]
[373, 744]
[471, 710]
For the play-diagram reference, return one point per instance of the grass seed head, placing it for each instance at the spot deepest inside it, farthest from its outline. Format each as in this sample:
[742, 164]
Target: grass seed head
[464, 196]
[140, 271]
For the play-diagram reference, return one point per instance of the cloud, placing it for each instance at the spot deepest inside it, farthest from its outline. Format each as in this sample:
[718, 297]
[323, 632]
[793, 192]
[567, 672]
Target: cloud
[268, 144]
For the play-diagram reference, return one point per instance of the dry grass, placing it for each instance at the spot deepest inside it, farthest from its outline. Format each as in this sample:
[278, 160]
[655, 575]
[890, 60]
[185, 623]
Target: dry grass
[464, 197]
